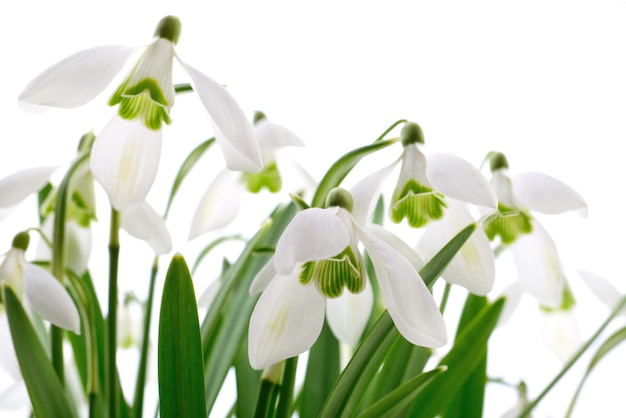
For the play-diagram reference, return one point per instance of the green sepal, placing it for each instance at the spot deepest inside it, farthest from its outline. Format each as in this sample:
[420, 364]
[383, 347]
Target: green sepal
[417, 203]
[47, 396]
[269, 178]
[180, 364]
[508, 224]
[142, 100]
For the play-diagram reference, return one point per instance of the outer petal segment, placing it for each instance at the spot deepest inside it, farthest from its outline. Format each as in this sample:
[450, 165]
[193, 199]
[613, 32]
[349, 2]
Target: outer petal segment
[233, 132]
[545, 194]
[141, 221]
[50, 299]
[410, 304]
[285, 322]
[219, 204]
[539, 267]
[124, 160]
[313, 234]
[18, 186]
[458, 179]
[77, 79]
[473, 267]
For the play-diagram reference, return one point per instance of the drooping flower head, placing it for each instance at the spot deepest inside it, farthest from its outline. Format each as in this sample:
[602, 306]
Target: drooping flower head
[534, 252]
[221, 201]
[318, 267]
[126, 154]
[425, 181]
[38, 287]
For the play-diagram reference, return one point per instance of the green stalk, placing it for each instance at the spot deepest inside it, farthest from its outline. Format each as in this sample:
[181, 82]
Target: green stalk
[111, 375]
[58, 260]
[574, 358]
[145, 343]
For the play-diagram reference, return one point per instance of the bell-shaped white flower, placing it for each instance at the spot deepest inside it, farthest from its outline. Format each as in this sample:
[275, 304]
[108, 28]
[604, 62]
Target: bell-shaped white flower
[126, 153]
[317, 259]
[221, 202]
[535, 254]
[604, 290]
[38, 288]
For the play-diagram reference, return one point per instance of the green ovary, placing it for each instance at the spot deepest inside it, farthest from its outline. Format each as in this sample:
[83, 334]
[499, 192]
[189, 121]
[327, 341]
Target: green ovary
[508, 224]
[269, 177]
[417, 203]
[331, 275]
[144, 99]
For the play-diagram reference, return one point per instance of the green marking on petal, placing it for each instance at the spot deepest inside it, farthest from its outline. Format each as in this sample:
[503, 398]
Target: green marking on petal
[268, 177]
[331, 275]
[418, 204]
[508, 224]
[144, 99]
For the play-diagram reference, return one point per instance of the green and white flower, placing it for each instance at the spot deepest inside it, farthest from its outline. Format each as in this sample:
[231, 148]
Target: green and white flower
[317, 271]
[221, 202]
[536, 257]
[37, 287]
[126, 154]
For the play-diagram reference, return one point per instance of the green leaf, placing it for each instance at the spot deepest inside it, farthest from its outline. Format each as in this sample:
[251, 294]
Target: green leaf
[321, 373]
[469, 400]
[613, 341]
[46, 393]
[352, 382]
[226, 321]
[340, 169]
[400, 398]
[461, 360]
[181, 377]
[185, 168]
[248, 382]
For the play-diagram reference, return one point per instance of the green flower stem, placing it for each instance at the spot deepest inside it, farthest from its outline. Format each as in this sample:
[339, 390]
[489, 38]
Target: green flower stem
[58, 260]
[111, 371]
[285, 398]
[574, 358]
[145, 343]
[268, 392]
[393, 125]
[444, 298]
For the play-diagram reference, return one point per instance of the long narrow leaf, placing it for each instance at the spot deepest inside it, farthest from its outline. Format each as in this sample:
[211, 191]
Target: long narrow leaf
[344, 393]
[185, 168]
[398, 399]
[613, 341]
[461, 360]
[47, 396]
[469, 400]
[340, 169]
[181, 377]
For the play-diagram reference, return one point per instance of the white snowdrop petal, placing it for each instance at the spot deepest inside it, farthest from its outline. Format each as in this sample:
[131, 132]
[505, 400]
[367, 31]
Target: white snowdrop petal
[18, 186]
[348, 314]
[545, 194]
[142, 222]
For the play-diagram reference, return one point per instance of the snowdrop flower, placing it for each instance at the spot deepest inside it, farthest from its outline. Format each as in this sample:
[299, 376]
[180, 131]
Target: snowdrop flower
[126, 154]
[221, 202]
[316, 265]
[425, 182]
[604, 290]
[38, 287]
[428, 188]
[535, 254]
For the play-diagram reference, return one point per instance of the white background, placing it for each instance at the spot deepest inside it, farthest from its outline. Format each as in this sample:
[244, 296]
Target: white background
[541, 81]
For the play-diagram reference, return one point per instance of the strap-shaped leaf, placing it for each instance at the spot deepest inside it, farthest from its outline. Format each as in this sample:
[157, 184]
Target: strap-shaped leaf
[47, 396]
[461, 360]
[398, 399]
[181, 376]
[613, 341]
